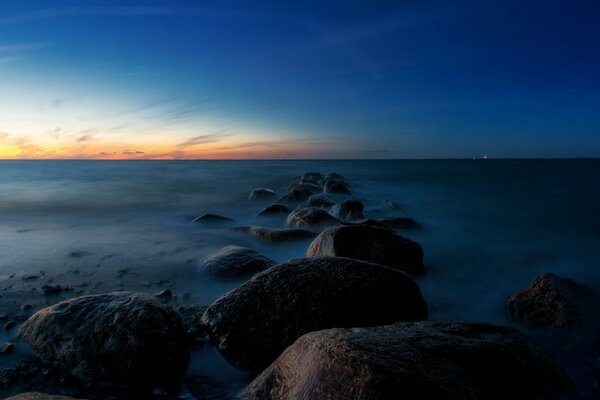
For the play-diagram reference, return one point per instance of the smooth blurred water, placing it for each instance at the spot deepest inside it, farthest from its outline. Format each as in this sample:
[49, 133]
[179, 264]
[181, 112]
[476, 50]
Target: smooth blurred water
[490, 226]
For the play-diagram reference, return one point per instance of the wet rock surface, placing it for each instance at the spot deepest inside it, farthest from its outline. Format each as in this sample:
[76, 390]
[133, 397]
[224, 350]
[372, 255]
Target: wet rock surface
[121, 337]
[296, 196]
[232, 261]
[310, 218]
[551, 301]
[413, 360]
[274, 235]
[348, 210]
[369, 243]
[262, 194]
[274, 210]
[336, 187]
[212, 219]
[254, 323]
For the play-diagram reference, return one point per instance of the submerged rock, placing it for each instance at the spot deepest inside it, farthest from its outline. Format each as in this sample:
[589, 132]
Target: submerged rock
[39, 396]
[348, 210]
[310, 218]
[121, 337]
[413, 361]
[273, 235]
[336, 187]
[551, 301]
[211, 219]
[369, 243]
[273, 210]
[233, 261]
[296, 196]
[254, 323]
[262, 194]
[400, 222]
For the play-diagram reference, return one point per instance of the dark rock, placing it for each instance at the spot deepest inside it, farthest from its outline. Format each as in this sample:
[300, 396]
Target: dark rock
[7, 348]
[212, 219]
[400, 223]
[262, 194]
[165, 294]
[254, 323]
[551, 301]
[236, 261]
[120, 337]
[9, 325]
[273, 209]
[310, 218]
[29, 277]
[192, 319]
[296, 196]
[39, 396]
[393, 205]
[369, 243]
[348, 210]
[333, 176]
[413, 361]
[312, 177]
[325, 200]
[336, 187]
[51, 290]
[311, 187]
[269, 235]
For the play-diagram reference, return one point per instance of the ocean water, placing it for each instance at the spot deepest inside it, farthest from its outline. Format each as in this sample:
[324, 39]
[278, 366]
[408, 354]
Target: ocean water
[489, 228]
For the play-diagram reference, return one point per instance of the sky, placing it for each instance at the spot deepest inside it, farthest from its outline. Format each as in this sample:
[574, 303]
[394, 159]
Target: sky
[311, 79]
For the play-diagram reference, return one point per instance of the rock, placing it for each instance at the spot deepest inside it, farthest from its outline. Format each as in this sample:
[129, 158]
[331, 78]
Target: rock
[9, 325]
[348, 210]
[233, 261]
[272, 235]
[324, 200]
[310, 218]
[336, 187]
[262, 194]
[120, 338]
[273, 209]
[413, 361]
[254, 323]
[212, 219]
[51, 290]
[369, 243]
[393, 205]
[7, 348]
[39, 396]
[333, 176]
[551, 301]
[311, 187]
[165, 294]
[400, 223]
[312, 177]
[296, 196]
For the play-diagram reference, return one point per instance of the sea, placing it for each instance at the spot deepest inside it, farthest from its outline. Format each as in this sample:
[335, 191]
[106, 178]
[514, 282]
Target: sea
[490, 227]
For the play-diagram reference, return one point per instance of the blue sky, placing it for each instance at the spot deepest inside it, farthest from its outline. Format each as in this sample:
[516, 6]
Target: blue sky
[340, 79]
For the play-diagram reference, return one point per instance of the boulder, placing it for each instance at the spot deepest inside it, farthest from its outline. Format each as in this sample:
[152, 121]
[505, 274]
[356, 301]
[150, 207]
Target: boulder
[337, 187]
[551, 301]
[233, 261]
[348, 210]
[262, 194]
[369, 243]
[272, 235]
[311, 187]
[39, 396]
[254, 323]
[210, 219]
[310, 218]
[400, 223]
[324, 200]
[273, 210]
[296, 196]
[334, 176]
[413, 361]
[312, 177]
[121, 338]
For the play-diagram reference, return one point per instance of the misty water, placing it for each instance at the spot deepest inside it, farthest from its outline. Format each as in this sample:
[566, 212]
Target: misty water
[489, 228]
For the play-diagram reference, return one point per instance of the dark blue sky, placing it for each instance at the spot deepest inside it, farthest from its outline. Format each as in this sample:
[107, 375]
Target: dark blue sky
[224, 79]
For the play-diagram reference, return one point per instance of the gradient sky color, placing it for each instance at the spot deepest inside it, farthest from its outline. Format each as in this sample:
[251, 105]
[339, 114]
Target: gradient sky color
[339, 79]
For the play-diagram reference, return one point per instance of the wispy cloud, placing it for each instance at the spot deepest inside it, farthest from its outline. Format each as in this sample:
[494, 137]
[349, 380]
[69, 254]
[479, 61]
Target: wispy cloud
[132, 152]
[20, 47]
[9, 59]
[85, 138]
[204, 139]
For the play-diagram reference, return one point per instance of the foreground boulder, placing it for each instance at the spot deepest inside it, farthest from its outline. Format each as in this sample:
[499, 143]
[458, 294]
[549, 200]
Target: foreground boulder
[348, 210]
[273, 210]
[254, 323]
[232, 261]
[262, 194]
[413, 361]
[272, 235]
[551, 301]
[120, 337]
[336, 187]
[369, 243]
[39, 396]
[211, 219]
[310, 218]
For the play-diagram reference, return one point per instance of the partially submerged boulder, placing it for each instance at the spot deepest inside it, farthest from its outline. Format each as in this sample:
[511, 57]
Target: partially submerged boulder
[296, 196]
[311, 177]
[337, 187]
[233, 261]
[273, 235]
[274, 210]
[551, 301]
[400, 222]
[121, 338]
[310, 218]
[254, 323]
[369, 243]
[212, 219]
[324, 200]
[39, 396]
[262, 194]
[334, 176]
[311, 187]
[348, 210]
[413, 361]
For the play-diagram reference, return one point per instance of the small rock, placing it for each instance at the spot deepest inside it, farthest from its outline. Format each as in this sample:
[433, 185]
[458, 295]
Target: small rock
[7, 348]
[336, 187]
[9, 325]
[165, 294]
[51, 290]
[348, 210]
[212, 219]
[296, 196]
[236, 261]
[273, 209]
[261, 194]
